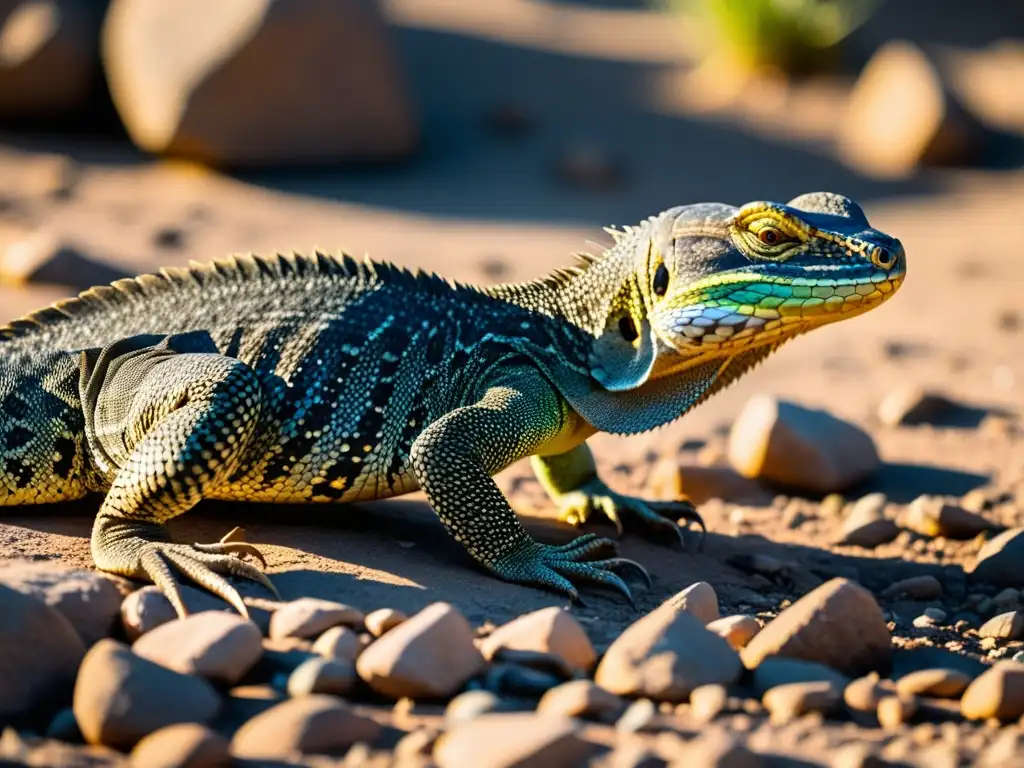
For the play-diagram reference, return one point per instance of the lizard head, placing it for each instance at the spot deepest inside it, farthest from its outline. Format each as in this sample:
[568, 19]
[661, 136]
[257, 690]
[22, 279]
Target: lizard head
[712, 282]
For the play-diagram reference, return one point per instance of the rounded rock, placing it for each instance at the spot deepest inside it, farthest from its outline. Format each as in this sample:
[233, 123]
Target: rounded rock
[894, 711]
[336, 677]
[938, 682]
[513, 739]
[933, 516]
[430, 655]
[1005, 626]
[471, 704]
[338, 643]
[581, 699]
[316, 724]
[787, 702]
[120, 697]
[737, 631]
[310, 616]
[699, 599]
[222, 647]
[1001, 560]
[998, 693]
[708, 701]
[550, 630]
[383, 619]
[186, 745]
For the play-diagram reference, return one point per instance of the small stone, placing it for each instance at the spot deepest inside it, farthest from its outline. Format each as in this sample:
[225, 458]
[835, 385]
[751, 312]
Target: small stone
[383, 619]
[935, 614]
[1005, 626]
[185, 745]
[638, 717]
[911, 405]
[839, 624]
[787, 702]
[894, 711]
[902, 115]
[1001, 560]
[699, 599]
[430, 655]
[925, 587]
[997, 693]
[938, 682]
[774, 671]
[316, 724]
[550, 630]
[924, 622]
[120, 697]
[583, 699]
[671, 481]
[864, 693]
[832, 505]
[87, 599]
[334, 676]
[471, 704]
[665, 655]
[147, 608]
[1007, 600]
[708, 701]
[310, 616]
[866, 525]
[802, 448]
[338, 643]
[933, 516]
[513, 739]
[39, 653]
[219, 646]
[736, 630]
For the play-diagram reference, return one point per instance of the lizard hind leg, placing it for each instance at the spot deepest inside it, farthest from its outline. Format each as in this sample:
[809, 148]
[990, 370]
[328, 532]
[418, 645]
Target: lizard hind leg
[169, 427]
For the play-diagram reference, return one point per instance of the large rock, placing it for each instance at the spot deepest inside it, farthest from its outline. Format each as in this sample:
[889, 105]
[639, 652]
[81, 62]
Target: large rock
[316, 723]
[87, 599]
[121, 697]
[257, 82]
[799, 447]
[49, 56]
[839, 625]
[550, 630]
[219, 646]
[902, 115]
[1001, 560]
[430, 655]
[39, 652]
[665, 655]
[998, 693]
[512, 740]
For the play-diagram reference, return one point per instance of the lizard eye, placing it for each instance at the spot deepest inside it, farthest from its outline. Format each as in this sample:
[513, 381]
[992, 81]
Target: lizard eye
[769, 236]
[627, 328]
[660, 284]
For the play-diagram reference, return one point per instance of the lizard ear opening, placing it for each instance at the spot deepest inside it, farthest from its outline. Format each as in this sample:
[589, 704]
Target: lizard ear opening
[623, 356]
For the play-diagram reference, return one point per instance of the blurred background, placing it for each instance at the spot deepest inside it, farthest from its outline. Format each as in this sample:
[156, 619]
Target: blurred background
[487, 140]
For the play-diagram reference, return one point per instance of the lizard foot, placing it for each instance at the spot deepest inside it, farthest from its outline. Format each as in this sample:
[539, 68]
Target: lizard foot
[656, 520]
[587, 559]
[141, 550]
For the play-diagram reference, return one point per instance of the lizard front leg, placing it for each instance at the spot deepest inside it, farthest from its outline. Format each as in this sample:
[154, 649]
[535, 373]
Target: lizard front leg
[571, 481]
[167, 427]
[454, 459]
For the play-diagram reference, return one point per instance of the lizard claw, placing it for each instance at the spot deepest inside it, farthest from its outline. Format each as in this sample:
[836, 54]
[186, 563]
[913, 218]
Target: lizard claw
[584, 560]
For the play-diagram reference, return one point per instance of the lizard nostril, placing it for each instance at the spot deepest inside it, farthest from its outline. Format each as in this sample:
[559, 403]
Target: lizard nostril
[883, 257]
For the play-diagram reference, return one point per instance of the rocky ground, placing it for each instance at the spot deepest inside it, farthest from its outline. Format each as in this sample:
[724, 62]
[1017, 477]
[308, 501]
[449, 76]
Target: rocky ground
[858, 598]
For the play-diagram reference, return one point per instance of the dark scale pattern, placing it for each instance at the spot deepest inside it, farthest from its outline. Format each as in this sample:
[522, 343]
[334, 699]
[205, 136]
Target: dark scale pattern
[323, 379]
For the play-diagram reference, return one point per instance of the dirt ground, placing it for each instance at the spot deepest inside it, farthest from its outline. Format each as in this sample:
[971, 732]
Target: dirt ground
[479, 208]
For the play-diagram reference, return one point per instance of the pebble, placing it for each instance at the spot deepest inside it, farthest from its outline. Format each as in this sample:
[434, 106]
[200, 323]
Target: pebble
[864, 693]
[583, 699]
[806, 449]
[1001, 561]
[430, 655]
[1007, 600]
[185, 745]
[1005, 626]
[708, 701]
[935, 517]
[911, 405]
[471, 704]
[790, 701]
[310, 616]
[736, 630]
[866, 525]
[315, 723]
[925, 587]
[39, 652]
[665, 655]
[120, 697]
[508, 740]
[338, 643]
[87, 599]
[777, 670]
[147, 608]
[551, 631]
[699, 599]
[894, 711]
[938, 682]
[222, 647]
[839, 624]
[333, 676]
[383, 619]
[671, 481]
[997, 693]
[638, 717]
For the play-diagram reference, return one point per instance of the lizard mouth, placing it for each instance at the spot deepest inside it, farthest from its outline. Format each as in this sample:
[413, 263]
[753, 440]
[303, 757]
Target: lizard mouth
[747, 308]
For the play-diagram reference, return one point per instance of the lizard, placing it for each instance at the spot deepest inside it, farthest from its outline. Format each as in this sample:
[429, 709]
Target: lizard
[323, 378]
